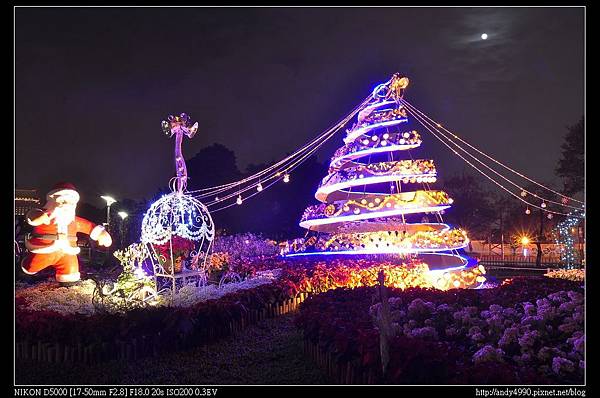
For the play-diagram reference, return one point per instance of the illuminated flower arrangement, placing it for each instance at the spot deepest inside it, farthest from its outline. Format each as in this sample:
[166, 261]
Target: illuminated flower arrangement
[180, 248]
[133, 287]
[426, 240]
[377, 143]
[575, 275]
[410, 169]
[405, 202]
[385, 115]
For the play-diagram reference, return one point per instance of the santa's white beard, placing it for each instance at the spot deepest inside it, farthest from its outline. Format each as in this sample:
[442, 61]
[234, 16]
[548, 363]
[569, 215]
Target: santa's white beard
[64, 215]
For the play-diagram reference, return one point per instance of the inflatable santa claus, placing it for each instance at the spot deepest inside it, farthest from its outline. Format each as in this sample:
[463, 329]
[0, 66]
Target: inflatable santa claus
[53, 242]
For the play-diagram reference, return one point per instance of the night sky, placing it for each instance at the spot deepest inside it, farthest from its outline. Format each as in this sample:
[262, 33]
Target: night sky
[93, 84]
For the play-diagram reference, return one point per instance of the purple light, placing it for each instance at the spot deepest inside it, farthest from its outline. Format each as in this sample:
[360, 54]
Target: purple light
[384, 250]
[362, 130]
[365, 216]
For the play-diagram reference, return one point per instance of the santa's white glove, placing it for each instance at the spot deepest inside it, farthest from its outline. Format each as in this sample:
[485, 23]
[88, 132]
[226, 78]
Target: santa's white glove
[100, 235]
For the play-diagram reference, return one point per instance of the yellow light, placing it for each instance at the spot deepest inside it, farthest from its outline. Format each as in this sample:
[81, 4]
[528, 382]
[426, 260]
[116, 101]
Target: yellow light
[525, 240]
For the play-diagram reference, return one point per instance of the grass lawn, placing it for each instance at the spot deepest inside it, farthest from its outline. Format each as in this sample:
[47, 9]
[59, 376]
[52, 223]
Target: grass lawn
[269, 352]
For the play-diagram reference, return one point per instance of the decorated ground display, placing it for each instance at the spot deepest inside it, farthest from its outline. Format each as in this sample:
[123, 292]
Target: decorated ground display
[178, 228]
[381, 292]
[374, 192]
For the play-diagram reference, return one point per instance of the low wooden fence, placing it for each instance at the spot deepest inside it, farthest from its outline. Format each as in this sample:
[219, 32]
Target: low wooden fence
[520, 262]
[339, 372]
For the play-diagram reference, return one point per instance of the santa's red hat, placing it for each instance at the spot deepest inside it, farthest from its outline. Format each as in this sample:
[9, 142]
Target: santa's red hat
[63, 189]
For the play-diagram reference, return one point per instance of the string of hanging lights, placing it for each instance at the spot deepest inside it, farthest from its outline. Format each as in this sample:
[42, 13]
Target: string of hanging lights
[524, 192]
[283, 167]
[428, 127]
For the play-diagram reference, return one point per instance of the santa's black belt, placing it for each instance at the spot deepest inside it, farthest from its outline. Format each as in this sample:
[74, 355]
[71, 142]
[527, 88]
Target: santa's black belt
[51, 236]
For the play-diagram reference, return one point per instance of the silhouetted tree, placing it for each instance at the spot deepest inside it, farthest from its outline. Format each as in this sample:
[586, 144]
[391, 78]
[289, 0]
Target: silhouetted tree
[571, 165]
[472, 208]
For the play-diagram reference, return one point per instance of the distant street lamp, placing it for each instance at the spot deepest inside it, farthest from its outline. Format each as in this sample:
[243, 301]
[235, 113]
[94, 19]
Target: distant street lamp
[109, 201]
[123, 216]
[524, 242]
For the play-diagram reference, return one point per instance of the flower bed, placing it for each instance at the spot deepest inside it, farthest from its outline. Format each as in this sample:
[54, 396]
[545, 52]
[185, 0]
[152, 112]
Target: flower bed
[51, 336]
[576, 275]
[527, 331]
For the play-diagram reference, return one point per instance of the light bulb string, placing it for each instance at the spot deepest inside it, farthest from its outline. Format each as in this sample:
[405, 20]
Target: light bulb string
[316, 141]
[494, 171]
[287, 167]
[277, 176]
[424, 124]
[439, 126]
[246, 198]
[297, 162]
[490, 168]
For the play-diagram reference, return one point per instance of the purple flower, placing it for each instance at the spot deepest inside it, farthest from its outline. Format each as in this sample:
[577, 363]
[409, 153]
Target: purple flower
[427, 333]
[495, 308]
[488, 354]
[529, 308]
[568, 327]
[575, 297]
[509, 336]
[562, 365]
[528, 339]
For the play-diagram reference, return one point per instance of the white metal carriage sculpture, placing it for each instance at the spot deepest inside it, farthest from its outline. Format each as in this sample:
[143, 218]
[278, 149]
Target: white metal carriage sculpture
[178, 228]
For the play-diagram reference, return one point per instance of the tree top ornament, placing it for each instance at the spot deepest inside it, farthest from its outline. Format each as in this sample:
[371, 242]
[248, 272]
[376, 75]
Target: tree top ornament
[178, 126]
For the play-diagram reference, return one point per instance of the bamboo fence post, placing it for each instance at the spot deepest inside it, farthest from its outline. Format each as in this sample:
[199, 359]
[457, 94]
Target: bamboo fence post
[57, 349]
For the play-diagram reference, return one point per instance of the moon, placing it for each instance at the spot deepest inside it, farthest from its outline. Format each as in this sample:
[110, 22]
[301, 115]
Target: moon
[484, 36]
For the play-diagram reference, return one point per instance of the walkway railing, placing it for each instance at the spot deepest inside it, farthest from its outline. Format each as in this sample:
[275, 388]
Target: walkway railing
[520, 262]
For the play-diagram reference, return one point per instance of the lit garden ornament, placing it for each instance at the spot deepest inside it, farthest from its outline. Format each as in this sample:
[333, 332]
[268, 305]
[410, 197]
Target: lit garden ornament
[178, 228]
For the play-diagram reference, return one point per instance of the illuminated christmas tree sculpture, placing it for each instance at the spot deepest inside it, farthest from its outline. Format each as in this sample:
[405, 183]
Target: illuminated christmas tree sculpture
[375, 195]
